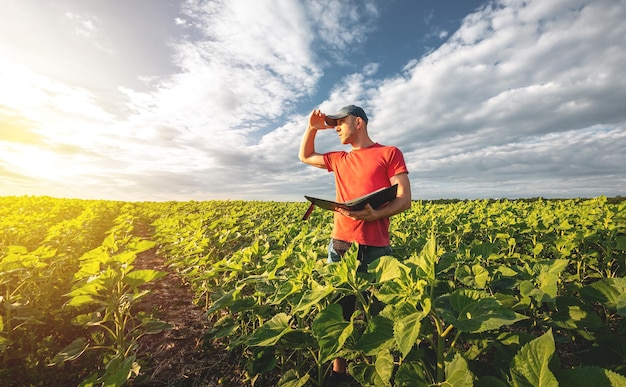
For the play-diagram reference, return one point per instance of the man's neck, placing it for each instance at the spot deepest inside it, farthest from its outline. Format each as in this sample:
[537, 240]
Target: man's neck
[365, 143]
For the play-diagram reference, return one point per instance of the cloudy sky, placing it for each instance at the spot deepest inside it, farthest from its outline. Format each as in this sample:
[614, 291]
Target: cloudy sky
[196, 100]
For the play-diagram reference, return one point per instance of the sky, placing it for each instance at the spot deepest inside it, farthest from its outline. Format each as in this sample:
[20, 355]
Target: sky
[159, 100]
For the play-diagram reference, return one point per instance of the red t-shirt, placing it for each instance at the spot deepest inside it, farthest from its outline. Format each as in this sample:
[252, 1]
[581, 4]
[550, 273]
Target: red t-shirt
[358, 173]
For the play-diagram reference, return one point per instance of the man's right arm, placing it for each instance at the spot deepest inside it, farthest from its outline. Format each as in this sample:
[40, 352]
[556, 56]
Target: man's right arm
[307, 153]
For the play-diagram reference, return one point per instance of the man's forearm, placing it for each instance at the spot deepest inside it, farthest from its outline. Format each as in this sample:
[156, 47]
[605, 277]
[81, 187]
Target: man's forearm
[307, 145]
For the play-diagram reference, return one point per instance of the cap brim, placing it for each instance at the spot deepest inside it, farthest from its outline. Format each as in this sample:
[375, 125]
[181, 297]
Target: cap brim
[331, 120]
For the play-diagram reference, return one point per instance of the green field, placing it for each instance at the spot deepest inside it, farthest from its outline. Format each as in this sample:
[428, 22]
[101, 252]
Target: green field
[482, 292]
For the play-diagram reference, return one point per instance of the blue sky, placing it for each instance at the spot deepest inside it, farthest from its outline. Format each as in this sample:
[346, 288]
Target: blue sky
[151, 100]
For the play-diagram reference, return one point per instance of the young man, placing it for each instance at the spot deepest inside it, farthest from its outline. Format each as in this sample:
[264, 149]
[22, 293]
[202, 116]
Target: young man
[366, 168]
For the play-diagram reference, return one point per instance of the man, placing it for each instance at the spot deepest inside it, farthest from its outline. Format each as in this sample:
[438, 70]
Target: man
[366, 168]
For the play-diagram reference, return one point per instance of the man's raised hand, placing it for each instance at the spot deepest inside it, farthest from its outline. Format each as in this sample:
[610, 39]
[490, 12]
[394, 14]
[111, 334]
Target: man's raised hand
[317, 120]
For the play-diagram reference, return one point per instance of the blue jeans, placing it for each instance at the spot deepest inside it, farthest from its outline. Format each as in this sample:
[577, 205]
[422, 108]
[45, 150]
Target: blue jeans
[365, 255]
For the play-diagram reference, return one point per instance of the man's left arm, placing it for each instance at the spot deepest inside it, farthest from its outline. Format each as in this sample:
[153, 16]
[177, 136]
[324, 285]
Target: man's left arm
[402, 202]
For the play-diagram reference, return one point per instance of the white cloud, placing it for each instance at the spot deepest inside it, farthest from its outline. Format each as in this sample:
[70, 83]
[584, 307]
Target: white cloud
[206, 102]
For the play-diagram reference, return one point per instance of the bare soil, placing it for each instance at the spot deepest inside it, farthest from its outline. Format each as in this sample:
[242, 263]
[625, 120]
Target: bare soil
[179, 356]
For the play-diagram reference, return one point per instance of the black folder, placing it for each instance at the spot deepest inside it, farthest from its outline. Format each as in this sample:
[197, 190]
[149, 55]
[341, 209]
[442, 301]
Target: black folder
[375, 199]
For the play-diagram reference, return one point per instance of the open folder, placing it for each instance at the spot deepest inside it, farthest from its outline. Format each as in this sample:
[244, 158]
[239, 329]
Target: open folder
[375, 199]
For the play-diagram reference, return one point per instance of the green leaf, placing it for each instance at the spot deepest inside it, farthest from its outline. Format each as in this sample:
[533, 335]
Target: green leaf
[490, 381]
[377, 336]
[621, 304]
[378, 374]
[530, 365]
[403, 289]
[224, 301]
[331, 331]
[458, 373]
[426, 260]
[285, 290]
[140, 245]
[384, 367]
[363, 373]
[411, 375]
[269, 333]
[71, 352]
[77, 301]
[299, 339]
[152, 327]
[590, 376]
[140, 277]
[292, 378]
[88, 319]
[311, 298]
[263, 360]
[620, 242]
[387, 268]
[607, 291]
[547, 284]
[119, 371]
[474, 311]
[607, 351]
[572, 313]
[406, 329]
[481, 276]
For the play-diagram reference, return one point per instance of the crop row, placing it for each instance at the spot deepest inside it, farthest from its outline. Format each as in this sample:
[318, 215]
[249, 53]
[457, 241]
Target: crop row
[499, 293]
[67, 287]
[475, 291]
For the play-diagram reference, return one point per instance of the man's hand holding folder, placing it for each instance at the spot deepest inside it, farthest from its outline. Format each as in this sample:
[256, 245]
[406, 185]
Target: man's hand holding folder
[373, 200]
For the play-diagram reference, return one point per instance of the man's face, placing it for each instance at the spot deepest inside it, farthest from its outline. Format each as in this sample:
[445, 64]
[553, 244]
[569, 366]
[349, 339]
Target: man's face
[346, 129]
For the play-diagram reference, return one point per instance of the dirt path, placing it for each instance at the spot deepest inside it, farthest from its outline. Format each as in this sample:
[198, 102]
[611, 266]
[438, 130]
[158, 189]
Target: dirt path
[178, 357]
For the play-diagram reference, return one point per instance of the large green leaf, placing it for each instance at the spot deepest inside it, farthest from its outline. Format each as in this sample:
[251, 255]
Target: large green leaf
[572, 313]
[378, 374]
[299, 339]
[292, 378]
[406, 288]
[406, 326]
[119, 371]
[153, 326]
[411, 374]
[269, 333]
[529, 367]
[475, 311]
[140, 277]
[77, 301]
[331, 331]
[377, 336]
[620, 242]
[490, 381]
[544, 286]
[458, 373]
[426, 260]
[71, 352]
[590, 376]
[225, 300]
[609, 292]
[138, 245]
[481, 276]
[608, 350]
[384, 367]
[621, 304]
[387, 268]
[312, 297]
[285, 290]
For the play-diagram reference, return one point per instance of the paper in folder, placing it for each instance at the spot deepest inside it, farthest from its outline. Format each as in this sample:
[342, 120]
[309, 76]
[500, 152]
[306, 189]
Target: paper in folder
[375, 199]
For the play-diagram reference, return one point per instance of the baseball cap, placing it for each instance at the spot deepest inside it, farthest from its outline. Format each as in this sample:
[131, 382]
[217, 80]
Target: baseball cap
[350, 110]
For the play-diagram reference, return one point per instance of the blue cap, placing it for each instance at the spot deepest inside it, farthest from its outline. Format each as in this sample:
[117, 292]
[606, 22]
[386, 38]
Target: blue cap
[350, 110]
